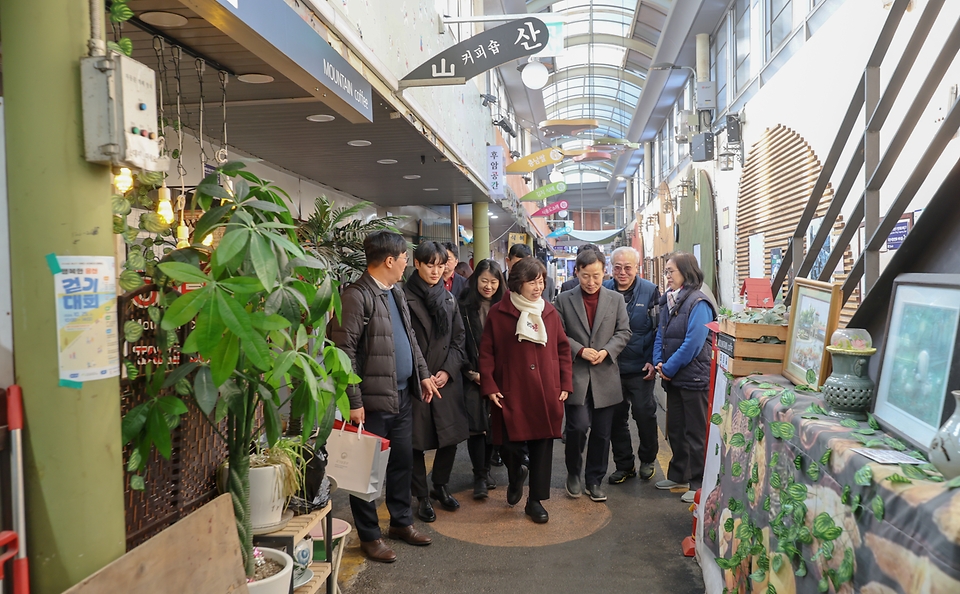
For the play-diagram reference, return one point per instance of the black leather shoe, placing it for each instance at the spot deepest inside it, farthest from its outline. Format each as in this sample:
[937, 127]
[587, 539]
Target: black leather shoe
[525, 461]
[495, 458]
[573, 485]
[491, 482]
[425, 511]
[536, 511]
[480, 487]
[444, 497]
[515, 490]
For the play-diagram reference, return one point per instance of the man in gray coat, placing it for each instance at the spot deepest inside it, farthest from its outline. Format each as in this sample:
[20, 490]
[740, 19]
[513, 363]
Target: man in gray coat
[376, 333]
[595, 321]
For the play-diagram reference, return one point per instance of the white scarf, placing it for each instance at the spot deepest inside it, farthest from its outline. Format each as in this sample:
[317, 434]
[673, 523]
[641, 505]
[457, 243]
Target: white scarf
[530, 325]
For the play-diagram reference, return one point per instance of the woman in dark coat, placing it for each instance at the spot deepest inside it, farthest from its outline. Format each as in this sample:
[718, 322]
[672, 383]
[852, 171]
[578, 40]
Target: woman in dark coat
[484, 289]
[442, 423]
[681, 354]
[526, 370]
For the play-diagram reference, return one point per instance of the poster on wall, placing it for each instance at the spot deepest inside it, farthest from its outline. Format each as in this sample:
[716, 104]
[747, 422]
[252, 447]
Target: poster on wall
[87, 344]
[821, 262]
[776, 258]
[696, 254]
[757, 256]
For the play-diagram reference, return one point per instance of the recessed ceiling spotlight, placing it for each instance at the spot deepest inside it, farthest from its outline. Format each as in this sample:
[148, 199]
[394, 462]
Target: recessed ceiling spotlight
[387, 161]
[430, 189]
[359, 143]
[255, 79]
[493, 216]
[321, 117]
[163, 19]
[414, 176]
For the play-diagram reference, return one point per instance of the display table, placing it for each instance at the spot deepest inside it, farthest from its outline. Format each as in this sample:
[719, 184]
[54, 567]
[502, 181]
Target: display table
[794, 508]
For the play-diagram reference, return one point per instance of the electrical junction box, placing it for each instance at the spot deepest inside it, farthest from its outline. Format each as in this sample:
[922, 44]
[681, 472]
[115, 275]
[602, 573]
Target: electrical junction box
[706, 95]
[701, 148]
[686, 126]
[120, 113]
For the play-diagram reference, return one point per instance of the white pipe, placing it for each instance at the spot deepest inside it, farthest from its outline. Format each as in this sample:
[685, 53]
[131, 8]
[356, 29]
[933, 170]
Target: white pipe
[95, 45]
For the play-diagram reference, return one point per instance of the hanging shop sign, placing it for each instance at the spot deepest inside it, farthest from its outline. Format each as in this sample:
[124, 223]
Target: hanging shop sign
[516, 238]
[552, 209]
[276, 34]
[495, 172]
[561, 232]
[548, 156]
[458, 64]
[86, 297]
[545, 192]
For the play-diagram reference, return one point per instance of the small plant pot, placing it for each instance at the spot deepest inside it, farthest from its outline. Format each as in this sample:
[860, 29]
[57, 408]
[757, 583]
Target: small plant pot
[848, 391]
[266, 497]
[278, 583]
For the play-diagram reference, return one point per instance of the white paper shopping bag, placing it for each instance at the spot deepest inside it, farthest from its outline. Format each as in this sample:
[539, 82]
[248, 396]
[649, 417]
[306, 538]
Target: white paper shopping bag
[378, 477]
[351, 459]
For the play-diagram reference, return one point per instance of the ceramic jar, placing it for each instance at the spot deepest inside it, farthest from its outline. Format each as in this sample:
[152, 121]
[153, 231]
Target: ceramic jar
[945, 448]
[848, 391]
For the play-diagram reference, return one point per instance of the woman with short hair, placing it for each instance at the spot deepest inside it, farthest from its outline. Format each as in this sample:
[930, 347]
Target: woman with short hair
[681, 354]
[442, 423]
[526, 370]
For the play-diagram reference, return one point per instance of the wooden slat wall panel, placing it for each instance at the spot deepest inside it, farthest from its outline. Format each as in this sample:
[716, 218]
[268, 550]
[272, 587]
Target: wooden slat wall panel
[777, 180]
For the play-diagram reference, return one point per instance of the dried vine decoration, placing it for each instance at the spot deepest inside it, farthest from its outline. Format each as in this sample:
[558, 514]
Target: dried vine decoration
[181, 171]
[201, 65]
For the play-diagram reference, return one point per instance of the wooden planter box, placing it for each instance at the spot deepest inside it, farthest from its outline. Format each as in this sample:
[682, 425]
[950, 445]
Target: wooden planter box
[739, 351]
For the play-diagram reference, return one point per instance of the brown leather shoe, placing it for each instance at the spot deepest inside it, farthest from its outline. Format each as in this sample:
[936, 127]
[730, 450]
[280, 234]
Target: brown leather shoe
[377, 550]
[410, 535]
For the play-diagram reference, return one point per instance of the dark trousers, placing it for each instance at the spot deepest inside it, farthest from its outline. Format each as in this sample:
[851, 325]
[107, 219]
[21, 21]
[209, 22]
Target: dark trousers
[442, 467]
[480, 451]
[687, 432]
[638, 395]
[398, 428]
[583, 418]
[541, 463]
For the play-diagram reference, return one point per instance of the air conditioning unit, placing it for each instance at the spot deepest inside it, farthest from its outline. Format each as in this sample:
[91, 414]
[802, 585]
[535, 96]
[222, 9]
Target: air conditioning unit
[685, 127]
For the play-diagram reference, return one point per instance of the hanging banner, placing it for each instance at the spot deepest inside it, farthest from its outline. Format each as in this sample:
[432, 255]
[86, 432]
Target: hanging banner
[87, 321]
[552, 209]
[495, 172]
[458, 64]
[545, 192]
[555, 47]
[561, 232]
[549, 156]
[516, 238]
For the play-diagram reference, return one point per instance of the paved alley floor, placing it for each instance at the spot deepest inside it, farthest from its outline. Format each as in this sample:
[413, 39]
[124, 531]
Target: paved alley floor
[631, 543]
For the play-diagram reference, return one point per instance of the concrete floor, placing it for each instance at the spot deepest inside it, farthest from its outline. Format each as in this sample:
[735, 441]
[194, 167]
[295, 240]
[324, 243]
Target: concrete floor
[631, 543]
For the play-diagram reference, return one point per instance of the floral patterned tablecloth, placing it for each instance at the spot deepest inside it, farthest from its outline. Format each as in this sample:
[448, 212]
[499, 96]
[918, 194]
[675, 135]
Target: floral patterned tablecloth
[795, 510]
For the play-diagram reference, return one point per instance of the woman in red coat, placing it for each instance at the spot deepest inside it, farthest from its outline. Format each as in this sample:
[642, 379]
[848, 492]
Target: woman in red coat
[526, 370]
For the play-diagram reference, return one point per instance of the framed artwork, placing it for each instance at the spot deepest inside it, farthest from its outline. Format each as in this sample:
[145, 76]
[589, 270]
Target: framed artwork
[918, 362]
[814, 315]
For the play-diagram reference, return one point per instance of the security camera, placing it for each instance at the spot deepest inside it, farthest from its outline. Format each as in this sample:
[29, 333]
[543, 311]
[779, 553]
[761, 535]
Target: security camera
[504, 124]
[486, 99]
[515, 154]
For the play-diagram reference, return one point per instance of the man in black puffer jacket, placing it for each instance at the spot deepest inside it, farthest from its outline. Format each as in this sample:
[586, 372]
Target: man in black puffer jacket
[376, 334]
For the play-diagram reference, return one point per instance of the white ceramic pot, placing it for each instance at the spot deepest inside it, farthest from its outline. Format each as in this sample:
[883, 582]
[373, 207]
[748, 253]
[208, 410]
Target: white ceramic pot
[278, 583]
[945, 448]
[266, 497]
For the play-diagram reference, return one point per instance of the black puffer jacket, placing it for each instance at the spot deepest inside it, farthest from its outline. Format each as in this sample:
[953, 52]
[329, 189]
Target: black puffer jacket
[365, 334]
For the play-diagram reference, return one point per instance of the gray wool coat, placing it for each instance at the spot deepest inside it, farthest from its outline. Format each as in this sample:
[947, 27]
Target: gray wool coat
[610, 332]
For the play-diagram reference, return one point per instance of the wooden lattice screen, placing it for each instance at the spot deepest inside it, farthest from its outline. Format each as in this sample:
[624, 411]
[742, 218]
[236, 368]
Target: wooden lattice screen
[778, 178]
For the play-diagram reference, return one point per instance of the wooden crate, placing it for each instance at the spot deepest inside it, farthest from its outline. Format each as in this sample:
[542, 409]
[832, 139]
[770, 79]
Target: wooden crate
[737, 348]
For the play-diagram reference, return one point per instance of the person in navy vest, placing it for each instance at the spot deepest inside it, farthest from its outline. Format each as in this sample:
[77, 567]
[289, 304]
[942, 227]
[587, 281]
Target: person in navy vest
[681, 354]
[637, 373]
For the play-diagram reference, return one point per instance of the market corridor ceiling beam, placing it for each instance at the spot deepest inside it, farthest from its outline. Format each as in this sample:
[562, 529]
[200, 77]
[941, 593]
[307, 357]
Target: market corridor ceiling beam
[599, 71]
[636, 45]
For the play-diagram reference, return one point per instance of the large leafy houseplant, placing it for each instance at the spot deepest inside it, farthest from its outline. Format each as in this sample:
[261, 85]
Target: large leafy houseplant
[254, 309]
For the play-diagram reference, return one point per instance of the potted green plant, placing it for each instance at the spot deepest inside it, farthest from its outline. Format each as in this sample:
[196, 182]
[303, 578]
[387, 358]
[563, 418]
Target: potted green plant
[254, 310]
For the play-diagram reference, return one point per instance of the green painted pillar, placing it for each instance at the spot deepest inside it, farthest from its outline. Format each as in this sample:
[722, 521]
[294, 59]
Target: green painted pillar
[481, 232]
[58, 203]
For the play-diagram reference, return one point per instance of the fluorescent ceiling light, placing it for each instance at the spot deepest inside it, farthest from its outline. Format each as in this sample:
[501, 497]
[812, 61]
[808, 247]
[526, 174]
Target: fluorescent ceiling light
[359, 143]
[430, 189]
[321, 117]
[387, 161]
[414, 176]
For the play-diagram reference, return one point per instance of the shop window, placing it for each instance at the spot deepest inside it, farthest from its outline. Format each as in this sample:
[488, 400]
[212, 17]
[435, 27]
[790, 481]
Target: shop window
[779, 23]
[721, 61]
[741, 42]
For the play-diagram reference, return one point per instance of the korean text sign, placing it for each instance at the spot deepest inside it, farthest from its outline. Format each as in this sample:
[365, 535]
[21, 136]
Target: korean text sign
[87, 319]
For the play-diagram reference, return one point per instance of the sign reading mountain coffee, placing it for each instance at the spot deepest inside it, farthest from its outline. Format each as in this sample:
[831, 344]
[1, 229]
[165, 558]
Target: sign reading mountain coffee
[458, 64]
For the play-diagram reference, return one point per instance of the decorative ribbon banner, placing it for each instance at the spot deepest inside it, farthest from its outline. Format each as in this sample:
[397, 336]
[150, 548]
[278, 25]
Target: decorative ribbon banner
[549, 156]
[545, 192]
[458, 64]
[551, 209]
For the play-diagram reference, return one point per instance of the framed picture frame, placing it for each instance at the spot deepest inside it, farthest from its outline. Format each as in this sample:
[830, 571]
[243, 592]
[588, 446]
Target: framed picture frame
[920, 358]
[814, 315]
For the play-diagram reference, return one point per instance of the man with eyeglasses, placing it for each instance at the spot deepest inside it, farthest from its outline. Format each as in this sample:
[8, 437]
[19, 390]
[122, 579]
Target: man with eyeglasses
[637, 373]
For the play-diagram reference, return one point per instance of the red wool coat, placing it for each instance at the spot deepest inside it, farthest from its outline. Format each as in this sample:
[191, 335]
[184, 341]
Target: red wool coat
[529, 376]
